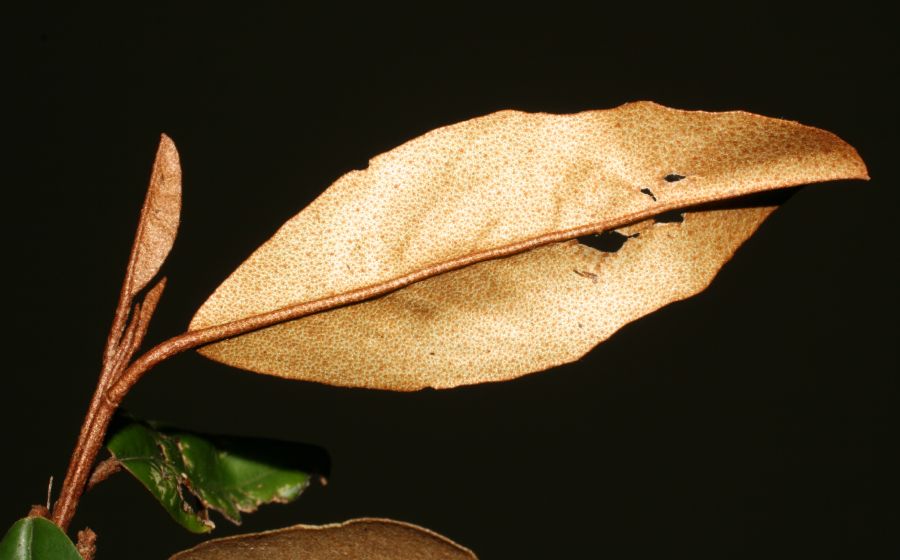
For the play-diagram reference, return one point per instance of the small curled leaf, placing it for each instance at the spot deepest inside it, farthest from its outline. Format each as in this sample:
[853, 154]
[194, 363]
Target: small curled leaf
[159, 220]
[358, 539]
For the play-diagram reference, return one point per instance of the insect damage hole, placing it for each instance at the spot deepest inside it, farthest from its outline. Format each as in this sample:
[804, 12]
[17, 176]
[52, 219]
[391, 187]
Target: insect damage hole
[670, 217]
[608, 241]
[190, 502]
[649, 193]
[673, 177]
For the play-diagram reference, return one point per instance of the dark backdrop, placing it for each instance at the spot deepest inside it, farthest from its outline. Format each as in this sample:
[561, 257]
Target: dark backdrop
[750, 421]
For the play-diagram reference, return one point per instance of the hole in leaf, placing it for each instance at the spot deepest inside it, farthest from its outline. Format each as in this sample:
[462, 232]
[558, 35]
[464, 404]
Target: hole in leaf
[755, 200]
[608, 241]
[673, 177]
[670, 217]
[760, 199]
[649, 193]
[191, 500]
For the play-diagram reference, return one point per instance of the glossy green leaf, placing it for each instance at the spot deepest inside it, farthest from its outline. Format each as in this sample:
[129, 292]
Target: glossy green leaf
[190, 474]
[36, 538]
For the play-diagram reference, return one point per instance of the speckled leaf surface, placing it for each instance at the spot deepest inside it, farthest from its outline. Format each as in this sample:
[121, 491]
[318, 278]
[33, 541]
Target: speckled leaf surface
[358, 539]
[446, 262]
[36, 538]
[228, 475]
[160, 216]
[495, 320]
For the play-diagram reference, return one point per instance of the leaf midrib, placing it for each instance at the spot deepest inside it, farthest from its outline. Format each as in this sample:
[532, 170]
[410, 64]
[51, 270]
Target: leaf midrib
[310, 307]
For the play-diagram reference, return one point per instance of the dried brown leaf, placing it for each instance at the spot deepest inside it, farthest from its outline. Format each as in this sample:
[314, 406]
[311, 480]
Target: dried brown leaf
[498, 319]
[160, 216]
[443, 216]
[369, 539]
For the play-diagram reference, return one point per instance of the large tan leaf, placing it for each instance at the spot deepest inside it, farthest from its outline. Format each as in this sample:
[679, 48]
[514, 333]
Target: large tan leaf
[454, 204]
[358, 539]
[498, 319]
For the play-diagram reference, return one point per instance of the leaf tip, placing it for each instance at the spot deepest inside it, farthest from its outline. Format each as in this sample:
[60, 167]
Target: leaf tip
[166, 144]
[169, 161]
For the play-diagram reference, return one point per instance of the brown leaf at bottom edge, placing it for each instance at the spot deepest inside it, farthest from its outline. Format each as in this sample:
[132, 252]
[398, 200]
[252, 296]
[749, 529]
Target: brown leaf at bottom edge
[369, 539]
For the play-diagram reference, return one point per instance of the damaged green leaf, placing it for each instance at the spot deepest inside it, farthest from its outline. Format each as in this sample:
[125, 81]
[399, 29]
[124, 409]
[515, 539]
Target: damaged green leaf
[191, 474]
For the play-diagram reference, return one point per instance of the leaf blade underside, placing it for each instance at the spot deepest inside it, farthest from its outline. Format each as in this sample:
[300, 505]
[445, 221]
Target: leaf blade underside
[488, 188]
[494, 320]
[160, 216]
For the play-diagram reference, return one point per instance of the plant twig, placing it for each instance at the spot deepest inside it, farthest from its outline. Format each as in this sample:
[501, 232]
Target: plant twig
[104, 469]
[153, 240]
[90, 440]
[119, 357]
[112, 361]
[100, 411]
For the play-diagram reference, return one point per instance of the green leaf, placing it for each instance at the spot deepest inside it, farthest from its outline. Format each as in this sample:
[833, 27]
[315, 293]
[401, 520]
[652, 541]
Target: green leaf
[35, 538]
[190, 474]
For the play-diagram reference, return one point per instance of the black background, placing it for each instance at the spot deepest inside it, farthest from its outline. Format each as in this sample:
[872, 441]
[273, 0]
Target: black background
[751, 421]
